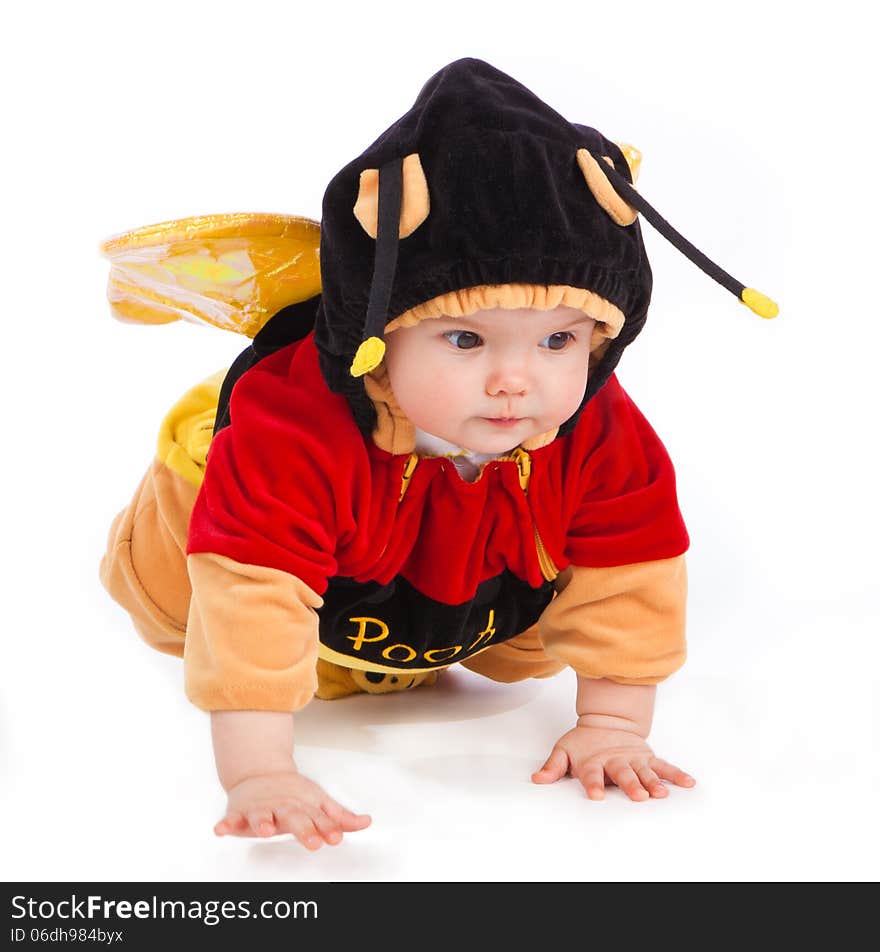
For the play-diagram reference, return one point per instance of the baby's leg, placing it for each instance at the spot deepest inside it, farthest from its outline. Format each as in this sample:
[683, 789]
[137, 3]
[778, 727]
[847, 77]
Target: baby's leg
[515, 660]
[144, 567]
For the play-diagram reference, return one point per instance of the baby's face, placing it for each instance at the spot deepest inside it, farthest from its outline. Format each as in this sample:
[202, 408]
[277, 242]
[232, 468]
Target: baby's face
[455, 377]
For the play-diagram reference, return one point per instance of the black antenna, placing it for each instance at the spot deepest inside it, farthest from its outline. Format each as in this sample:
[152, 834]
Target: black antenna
[372, 349]
[757, 302]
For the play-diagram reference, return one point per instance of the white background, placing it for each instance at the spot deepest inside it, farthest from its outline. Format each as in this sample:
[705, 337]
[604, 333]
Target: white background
[760, 145]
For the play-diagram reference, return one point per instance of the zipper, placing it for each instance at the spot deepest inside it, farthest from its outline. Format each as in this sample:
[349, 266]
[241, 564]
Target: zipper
[408, 469]
[524, 467]
[548, 569]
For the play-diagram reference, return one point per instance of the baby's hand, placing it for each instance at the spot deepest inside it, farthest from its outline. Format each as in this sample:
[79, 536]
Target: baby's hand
[287, 802]
[592, 753]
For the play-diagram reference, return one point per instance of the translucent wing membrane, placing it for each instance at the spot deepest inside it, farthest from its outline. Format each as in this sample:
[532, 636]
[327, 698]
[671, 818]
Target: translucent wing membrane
[231, 271]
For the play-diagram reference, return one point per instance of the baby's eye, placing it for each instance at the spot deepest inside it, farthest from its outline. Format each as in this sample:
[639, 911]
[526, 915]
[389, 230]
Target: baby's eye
[466, 340]
[558, 340]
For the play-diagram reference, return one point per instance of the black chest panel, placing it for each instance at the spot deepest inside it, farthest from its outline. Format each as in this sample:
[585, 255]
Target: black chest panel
[396, 626]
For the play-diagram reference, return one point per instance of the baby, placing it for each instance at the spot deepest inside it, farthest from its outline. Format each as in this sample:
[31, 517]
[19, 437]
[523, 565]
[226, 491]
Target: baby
[429, 463]
[486, 383]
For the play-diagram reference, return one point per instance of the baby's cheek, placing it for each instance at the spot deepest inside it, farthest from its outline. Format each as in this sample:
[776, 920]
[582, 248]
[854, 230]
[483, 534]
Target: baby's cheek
[566, 399]
[443, 395]
[428, 408]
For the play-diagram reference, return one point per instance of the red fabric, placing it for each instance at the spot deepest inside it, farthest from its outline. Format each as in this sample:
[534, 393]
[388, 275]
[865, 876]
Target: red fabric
[291, 484]
[625, 508]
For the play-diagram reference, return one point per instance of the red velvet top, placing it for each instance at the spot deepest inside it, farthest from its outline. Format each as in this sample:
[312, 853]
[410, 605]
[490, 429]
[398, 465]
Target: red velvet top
[292, 484]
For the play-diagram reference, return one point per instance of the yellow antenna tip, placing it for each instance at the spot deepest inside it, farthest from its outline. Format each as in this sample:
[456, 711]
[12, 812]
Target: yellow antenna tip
[759, 303]
[368, 357]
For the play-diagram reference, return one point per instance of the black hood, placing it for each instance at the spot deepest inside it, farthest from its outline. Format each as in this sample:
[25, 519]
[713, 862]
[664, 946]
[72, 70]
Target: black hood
[508, 204]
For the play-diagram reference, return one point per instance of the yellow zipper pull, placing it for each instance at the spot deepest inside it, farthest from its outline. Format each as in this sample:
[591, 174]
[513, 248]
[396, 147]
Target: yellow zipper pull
[408, 470]
[524, 467]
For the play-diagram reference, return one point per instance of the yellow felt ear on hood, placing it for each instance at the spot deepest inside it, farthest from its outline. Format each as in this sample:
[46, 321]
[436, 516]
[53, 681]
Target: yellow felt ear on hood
[633, 159]
[415, 204]
[597, 181]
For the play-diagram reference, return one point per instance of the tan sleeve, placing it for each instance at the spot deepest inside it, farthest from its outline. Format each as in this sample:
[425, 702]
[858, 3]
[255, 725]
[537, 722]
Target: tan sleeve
[515, 659]
[625, 623]
[251, 637]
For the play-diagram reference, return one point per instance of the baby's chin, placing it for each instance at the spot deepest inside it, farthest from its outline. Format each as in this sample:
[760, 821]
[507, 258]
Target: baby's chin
[481, 436]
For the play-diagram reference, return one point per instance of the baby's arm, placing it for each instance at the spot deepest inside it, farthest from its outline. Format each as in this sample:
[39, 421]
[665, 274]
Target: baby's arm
[629, 620]
[609, 740]
[250, 685]
[266, 794]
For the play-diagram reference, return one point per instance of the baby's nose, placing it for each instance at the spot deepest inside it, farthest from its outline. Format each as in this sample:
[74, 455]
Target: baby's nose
[509, 381]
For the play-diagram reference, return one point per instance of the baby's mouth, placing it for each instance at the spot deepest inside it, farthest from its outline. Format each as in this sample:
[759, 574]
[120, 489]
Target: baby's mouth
[504, 421]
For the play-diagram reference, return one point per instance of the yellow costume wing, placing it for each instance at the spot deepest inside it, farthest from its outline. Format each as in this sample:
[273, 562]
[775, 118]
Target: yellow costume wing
[232, 271]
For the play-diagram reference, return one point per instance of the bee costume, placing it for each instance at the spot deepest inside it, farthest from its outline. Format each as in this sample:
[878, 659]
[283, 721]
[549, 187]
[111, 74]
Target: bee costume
[296, 535]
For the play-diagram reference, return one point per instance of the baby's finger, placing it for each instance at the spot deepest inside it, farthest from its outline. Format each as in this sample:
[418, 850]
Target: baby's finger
[328, 828]
[262, 822]
[230, 824]
[592, 776]
[233, 824]
[650, 781]
[296, 822]
[555, 767]
[345, 818]
[625, 778]
[669, 772]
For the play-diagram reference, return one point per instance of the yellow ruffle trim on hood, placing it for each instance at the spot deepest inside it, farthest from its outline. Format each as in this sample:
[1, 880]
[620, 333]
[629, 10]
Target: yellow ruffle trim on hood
[545, 297]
